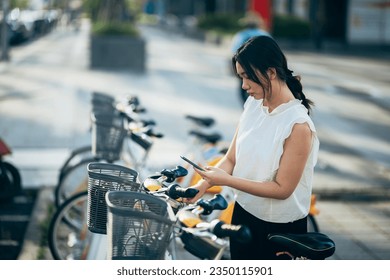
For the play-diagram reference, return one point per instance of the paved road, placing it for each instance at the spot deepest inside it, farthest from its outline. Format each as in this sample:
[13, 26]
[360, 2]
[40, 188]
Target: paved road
[44, 105]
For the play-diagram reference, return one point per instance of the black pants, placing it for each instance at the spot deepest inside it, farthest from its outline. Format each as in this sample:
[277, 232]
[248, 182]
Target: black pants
[259, 248]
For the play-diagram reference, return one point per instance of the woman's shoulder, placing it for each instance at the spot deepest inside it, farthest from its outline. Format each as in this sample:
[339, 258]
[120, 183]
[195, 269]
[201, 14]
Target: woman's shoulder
[298, 114]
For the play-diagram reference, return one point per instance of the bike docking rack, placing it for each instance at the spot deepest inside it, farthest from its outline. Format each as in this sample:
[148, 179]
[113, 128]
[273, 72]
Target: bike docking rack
[139, 225]
[143, 221]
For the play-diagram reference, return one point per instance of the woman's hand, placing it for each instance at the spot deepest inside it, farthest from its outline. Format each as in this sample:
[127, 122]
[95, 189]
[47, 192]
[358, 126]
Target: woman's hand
[201, 188]
[213, 175]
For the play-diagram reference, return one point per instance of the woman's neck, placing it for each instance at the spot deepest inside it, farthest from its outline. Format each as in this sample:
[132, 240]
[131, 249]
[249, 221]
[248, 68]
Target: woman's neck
[281, 94]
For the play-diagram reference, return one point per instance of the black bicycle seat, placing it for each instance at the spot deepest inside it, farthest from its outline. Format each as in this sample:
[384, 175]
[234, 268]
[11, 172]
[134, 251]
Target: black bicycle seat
[312, 245]
[209, 138]
[207, 122]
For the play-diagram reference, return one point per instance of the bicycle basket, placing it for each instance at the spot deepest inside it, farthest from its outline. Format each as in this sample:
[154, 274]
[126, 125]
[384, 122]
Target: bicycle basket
[108, 133]
[139, 226]
[102, 102]
[104, 177]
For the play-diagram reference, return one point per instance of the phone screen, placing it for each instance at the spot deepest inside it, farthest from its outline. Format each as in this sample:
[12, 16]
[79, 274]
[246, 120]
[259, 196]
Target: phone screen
[192, 163]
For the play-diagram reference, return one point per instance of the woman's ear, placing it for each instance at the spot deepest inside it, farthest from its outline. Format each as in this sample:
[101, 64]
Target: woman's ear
[271, 72]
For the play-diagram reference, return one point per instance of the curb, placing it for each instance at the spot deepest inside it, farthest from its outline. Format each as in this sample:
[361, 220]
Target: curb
[348, 194]
[31, 249]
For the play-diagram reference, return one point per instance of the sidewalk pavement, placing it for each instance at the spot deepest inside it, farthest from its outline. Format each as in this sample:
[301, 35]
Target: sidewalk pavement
[359, 225]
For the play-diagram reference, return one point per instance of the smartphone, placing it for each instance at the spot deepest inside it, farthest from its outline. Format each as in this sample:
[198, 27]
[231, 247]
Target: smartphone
[192, 163]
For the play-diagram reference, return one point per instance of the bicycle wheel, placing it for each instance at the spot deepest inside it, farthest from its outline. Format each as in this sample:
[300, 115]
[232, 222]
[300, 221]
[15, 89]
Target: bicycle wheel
[75, 180]
[312, 225]
[75, 157]
[69, 237]
[10, 181]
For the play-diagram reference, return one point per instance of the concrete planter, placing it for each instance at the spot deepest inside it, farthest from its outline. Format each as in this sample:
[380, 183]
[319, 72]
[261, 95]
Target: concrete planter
[118, 52]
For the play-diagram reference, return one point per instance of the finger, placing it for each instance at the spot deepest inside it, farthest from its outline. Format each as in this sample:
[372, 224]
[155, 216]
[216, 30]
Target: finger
[200, 172]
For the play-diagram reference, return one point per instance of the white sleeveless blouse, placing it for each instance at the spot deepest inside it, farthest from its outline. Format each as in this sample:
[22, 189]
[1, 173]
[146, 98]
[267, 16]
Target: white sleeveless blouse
[259, 147]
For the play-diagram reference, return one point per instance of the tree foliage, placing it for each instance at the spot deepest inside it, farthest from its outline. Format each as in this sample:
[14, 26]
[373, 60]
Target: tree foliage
[108, 10]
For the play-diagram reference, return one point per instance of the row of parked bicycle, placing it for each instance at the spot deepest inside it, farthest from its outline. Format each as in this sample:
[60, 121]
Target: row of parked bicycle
[111, 205]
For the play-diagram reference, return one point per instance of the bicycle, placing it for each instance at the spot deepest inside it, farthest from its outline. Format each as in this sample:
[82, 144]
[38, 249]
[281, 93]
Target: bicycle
[70, 235]
[82, 217]
[196, 225]
[73, 177]
[141, 226]
[10, 179]
[111, 142]
[128, 108]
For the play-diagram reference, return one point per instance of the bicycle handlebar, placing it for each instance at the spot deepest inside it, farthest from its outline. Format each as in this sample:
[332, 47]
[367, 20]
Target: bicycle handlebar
[240, 233]
[172, 174]
[149, 131]
[218, 202]
[174, 191]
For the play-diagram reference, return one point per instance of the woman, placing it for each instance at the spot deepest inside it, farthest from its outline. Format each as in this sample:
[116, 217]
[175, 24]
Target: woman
[271, 159]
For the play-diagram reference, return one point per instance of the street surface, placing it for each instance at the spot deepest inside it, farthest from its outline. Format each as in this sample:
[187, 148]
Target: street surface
[44, 112]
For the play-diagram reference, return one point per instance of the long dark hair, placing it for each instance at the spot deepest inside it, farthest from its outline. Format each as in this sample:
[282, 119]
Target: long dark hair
[261, 53]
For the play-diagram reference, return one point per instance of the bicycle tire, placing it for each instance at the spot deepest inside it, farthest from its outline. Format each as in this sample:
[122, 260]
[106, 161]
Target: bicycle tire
[75, 157]
[73, 181]
[68, 234]
[10, 181]
[312, 225]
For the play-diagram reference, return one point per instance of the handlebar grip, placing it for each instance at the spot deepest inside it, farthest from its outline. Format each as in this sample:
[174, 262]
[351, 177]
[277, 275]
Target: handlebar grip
[239, 233]
[126, 116]
[148, 122]
[141, 141]
[173, 174]
[175, 191]
[151, 133]
[139, 110]
[218, 202]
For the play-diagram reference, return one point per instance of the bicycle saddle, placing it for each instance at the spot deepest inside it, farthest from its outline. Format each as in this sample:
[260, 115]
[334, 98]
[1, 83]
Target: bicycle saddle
[209, 138]
[207, 122]
[312, 245]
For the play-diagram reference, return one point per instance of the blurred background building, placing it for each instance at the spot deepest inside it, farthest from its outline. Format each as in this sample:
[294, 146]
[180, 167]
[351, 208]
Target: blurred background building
[346, 22]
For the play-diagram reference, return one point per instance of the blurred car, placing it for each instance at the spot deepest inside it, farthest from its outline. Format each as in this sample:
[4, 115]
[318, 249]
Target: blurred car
[23, 25]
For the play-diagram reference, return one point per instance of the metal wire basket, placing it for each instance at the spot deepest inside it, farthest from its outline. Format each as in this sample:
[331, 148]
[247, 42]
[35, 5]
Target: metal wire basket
[104, 177]
[139, 226]
[102, 102]
[108, 133]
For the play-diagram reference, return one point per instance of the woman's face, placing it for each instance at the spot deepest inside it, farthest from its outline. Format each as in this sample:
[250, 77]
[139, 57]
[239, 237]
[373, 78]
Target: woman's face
[252, 88]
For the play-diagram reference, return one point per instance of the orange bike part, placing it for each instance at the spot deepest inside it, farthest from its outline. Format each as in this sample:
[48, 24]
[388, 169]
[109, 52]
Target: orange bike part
[313, 208]
[196, 177]
[226, 215]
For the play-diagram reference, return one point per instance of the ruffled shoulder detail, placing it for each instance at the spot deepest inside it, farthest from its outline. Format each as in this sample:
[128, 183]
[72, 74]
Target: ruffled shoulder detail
[287, 132]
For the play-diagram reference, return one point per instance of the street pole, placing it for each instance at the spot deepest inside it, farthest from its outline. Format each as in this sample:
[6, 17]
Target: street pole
[4, 32]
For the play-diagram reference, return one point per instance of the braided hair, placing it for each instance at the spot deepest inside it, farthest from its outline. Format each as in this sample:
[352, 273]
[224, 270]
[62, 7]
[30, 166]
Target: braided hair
[261, 53]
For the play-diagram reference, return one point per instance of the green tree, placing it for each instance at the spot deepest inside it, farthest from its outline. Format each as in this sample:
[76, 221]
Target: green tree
[108, 10]
[21, 4]
[111, 17]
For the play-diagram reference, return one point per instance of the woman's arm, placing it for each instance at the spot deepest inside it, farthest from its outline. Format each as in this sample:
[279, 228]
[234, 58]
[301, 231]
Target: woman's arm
[296, 151]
